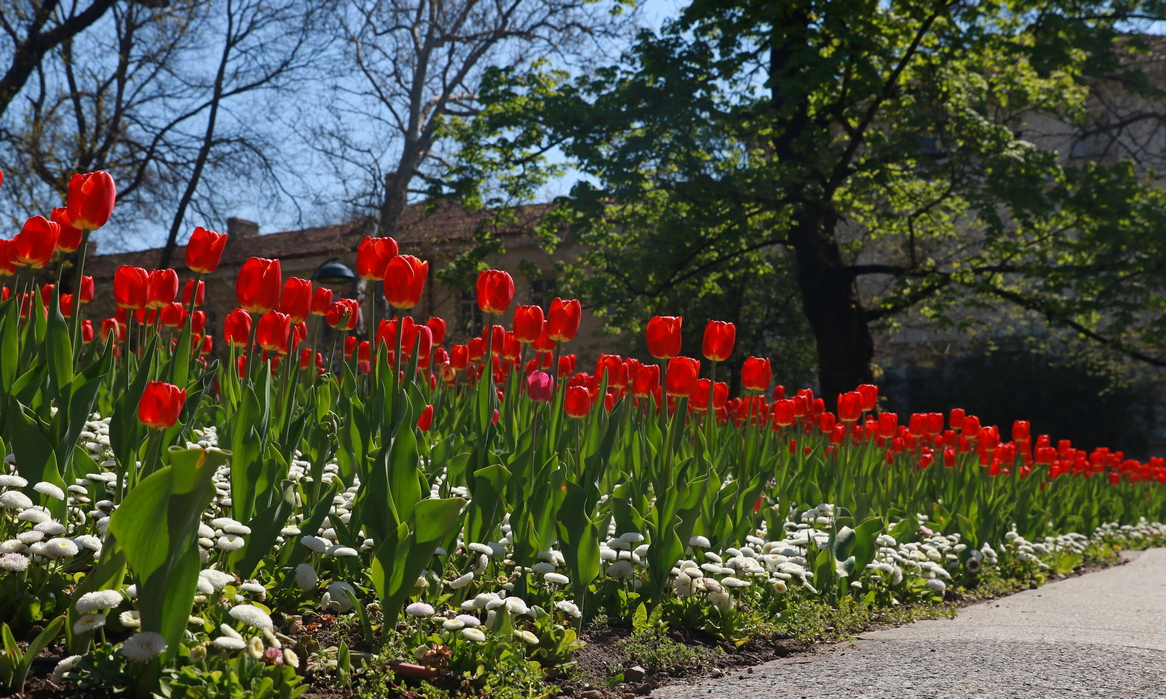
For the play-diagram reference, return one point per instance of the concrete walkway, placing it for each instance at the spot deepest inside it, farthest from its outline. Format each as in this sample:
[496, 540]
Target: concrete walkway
[1097, 635]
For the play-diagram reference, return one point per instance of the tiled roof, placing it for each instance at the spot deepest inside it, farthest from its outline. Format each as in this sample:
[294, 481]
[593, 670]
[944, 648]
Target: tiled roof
[417, 231]
[1156, 43]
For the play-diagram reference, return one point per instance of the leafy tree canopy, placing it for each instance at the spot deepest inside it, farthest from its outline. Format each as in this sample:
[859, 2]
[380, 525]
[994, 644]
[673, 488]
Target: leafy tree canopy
[870, 157]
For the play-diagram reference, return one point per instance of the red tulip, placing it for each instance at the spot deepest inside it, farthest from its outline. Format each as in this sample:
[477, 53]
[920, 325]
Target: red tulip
[577, 401]
[495, 291]
[948, 457]
[888, 425]
[204, 250]
[436, 329]
[70, 238]
[567, 365]
[237, 328]
[459, 356]
[208, 345]
[274, 331]
[131, 287]
[349, 346]
[783, 413]
[198, 322]
[563, 319]
[36, 242]
[850, 406]
[86, 331]
[477, 349]
[296, 300]
[405, 281]
[373, 256]
[956, 419]
[161, 404]
[321, 300]
[719, 339]
[173, 315]
[200, 296]
[258, 285]
[66, 305]
[343, 314]
[7, 257]
[540, 387]
[511, 347]
[528, 323]
[111, 326]
[426, 420]
[646, 380]
[86, 291]
[870, 396]
[1021, 431]
[700, 394]
[90, 201]
[663, 335]
[162, 288]
[611, 367]
[680, 379]
[756, 374]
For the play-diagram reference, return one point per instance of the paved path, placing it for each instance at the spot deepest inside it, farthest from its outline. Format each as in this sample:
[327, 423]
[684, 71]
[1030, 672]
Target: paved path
[1097, 635]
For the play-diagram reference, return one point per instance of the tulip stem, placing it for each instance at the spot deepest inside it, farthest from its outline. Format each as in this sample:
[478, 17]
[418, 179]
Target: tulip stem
[371, 331]
[78, 279]
[250, 348]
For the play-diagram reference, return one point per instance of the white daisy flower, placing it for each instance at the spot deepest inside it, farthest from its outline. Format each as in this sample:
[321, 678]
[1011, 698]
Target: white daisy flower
[336, 592]
[306, 578]
[526, 636]
[316, 544]
[481, 548]
[11, 481]
[230, 542]
[60, 548]
[14, 562]
[34, 515]
[98, 600]
[462, 581]
[64, 666]
[556, 578]
[230, 643]
[217, 578]
[419, 609]
[469, 620]
[474, 635]
[14, 500]
[453, 624]
[131, 619]
[252, 615]
[89, 622]
[53, 491]
[569, 608]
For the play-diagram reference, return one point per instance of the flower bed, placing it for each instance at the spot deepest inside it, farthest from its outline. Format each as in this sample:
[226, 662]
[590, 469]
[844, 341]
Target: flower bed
[454, 518]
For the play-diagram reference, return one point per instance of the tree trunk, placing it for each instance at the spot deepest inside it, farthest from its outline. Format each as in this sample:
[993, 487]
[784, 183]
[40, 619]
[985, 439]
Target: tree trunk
[396, 193]
[833, 309]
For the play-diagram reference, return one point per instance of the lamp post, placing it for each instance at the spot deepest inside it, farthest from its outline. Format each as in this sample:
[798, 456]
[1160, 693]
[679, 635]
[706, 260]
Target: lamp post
[333, 273]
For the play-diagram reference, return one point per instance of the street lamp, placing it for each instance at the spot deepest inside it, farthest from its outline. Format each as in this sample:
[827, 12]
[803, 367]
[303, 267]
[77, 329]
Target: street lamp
[333, 272]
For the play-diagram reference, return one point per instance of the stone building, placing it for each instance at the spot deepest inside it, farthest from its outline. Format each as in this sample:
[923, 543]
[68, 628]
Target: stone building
[436, 237]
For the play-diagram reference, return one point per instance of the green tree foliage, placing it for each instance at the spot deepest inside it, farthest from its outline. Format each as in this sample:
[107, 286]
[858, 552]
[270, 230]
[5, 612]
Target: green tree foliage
[871, 157]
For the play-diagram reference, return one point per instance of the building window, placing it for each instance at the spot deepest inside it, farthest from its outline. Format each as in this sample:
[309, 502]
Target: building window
[469, 316]
[542, 291]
